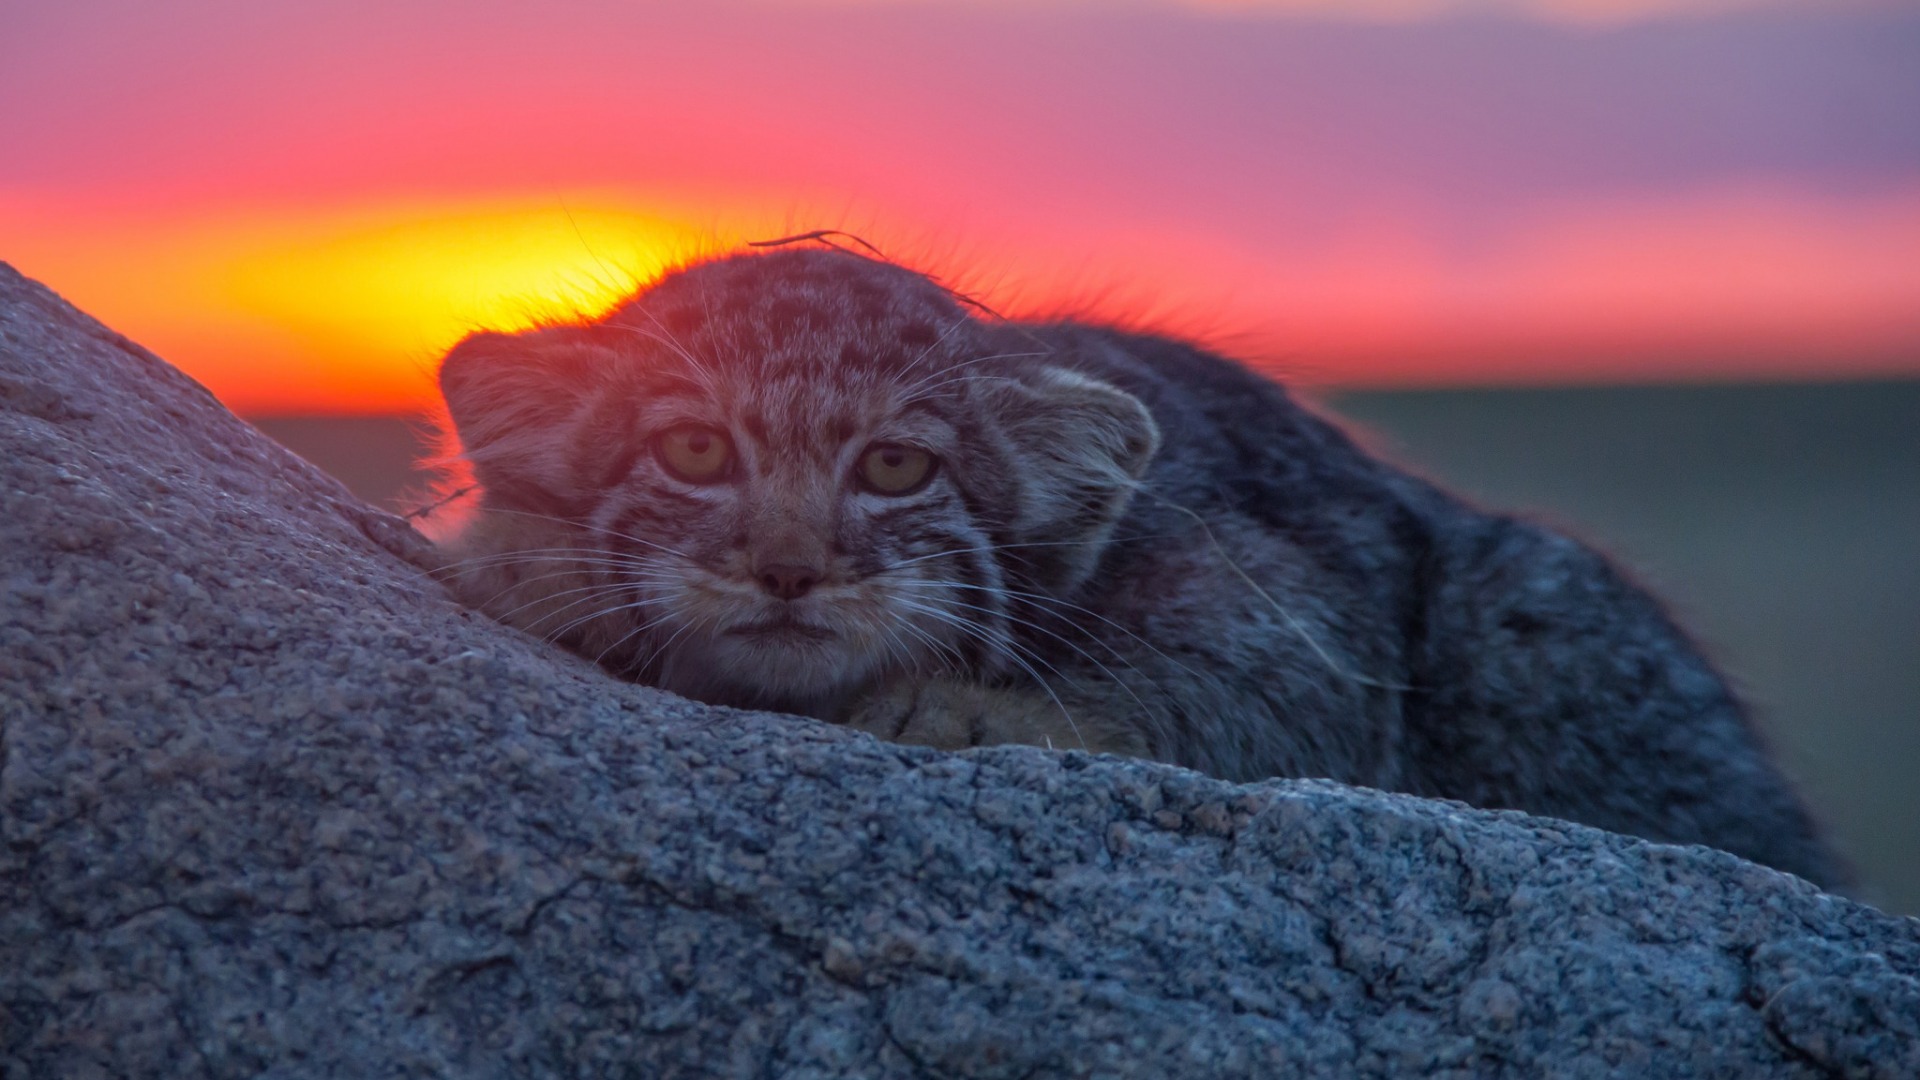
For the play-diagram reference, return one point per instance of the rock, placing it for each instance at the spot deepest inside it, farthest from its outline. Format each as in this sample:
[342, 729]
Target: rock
[272, 804]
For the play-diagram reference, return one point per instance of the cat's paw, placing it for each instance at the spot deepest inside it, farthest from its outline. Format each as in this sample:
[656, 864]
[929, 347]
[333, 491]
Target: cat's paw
[950, 714]
[942, 713]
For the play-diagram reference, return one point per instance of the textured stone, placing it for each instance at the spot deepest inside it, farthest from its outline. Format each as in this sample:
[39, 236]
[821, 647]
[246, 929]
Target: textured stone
[272, 804]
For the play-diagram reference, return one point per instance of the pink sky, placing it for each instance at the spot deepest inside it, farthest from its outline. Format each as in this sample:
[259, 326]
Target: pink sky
[300, 204]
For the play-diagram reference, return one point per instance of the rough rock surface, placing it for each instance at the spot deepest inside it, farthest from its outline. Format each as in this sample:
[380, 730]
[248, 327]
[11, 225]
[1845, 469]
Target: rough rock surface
[272, 805]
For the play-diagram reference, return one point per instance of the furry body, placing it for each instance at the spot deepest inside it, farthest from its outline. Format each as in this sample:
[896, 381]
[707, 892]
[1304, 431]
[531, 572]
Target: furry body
[1124, 544]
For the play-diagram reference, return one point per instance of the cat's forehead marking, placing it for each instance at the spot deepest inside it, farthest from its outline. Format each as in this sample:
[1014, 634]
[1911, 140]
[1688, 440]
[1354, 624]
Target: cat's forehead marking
[804, 353]
[817, 423]
[813, 314]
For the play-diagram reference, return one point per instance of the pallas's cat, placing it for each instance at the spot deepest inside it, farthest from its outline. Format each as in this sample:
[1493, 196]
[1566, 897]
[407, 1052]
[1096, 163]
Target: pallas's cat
[815, 482]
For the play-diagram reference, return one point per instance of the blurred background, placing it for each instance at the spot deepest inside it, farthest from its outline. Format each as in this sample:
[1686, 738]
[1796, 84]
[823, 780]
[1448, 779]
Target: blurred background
[1649, 269]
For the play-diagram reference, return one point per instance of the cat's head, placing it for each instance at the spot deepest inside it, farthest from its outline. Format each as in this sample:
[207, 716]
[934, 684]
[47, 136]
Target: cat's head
[775, 478]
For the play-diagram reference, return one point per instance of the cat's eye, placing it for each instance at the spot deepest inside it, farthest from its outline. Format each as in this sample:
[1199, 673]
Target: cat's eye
[892, 469]
[698, 455]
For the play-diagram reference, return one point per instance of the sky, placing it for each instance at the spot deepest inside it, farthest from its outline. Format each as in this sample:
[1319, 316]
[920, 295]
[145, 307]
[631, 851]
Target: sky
[303, 204]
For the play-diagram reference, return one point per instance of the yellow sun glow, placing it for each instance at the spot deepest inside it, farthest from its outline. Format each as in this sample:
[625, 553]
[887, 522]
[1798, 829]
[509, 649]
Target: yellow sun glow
[348, 309]
[427, 279]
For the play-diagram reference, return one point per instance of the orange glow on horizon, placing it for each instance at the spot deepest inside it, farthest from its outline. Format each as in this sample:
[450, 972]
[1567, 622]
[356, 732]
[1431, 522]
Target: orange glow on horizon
[345, 310]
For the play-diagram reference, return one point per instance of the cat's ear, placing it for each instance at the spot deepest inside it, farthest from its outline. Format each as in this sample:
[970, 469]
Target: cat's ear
[514, 400]
[1080, 447]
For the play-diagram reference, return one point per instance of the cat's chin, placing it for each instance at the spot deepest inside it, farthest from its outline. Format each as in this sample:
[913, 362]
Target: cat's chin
[808, 674]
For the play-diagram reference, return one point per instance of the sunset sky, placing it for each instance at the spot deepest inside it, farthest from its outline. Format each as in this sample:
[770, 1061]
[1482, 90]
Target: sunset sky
[301, 204]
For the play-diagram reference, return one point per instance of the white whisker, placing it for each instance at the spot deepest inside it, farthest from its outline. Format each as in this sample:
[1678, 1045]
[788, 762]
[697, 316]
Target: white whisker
[912, 391]
[989, 549]
[1089, 657]
[937, 342]
[967, 627]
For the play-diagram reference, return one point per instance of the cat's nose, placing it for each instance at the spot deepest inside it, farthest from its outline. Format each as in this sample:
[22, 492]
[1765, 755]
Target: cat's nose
[788, 582]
